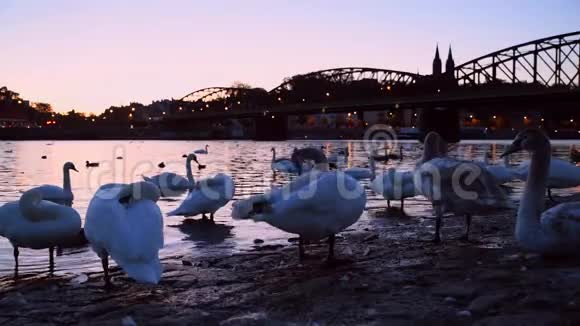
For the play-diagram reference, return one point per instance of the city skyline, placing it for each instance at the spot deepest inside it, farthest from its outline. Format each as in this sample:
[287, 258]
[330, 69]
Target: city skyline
[88, 57]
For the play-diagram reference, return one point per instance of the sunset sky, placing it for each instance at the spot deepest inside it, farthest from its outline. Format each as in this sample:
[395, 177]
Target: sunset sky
[89, 55]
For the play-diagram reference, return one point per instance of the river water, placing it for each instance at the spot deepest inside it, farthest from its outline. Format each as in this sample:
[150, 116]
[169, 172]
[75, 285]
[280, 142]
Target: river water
[248, 162]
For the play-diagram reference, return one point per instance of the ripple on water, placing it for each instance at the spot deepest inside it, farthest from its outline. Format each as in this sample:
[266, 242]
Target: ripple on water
[248, 163]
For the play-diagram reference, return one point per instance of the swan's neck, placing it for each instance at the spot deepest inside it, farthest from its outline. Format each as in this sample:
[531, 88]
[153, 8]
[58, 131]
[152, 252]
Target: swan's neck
[66, 180]
[401, 152]
[188, 172]
[273, 155]
[532, 203]
[506, 161]
[372, 166]
[30, 207]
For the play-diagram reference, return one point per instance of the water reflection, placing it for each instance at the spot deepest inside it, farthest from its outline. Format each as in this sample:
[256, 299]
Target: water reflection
[247, 162]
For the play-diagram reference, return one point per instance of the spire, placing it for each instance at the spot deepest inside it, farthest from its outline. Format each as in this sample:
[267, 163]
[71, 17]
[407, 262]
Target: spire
[437, 63]
[449, 64]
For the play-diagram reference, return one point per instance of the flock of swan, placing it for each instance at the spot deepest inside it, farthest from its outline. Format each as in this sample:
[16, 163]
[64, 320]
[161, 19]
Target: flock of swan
[124, 222]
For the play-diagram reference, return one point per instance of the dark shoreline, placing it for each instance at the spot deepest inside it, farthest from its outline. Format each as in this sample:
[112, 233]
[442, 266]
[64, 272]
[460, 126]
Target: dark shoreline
[392, 278]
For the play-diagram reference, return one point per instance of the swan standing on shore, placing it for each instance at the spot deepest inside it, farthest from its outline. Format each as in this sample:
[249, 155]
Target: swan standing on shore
[56, 194]
[124, 221]
[171, 184]
[457, 186]
[207, 197]
[283, 164]
[561, 174]
[394, 185]
[202, 151]
[34, 223]
[557, 230]
[315, 205]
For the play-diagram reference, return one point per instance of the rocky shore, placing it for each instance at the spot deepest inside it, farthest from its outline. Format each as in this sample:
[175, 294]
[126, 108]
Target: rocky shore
[387, 277]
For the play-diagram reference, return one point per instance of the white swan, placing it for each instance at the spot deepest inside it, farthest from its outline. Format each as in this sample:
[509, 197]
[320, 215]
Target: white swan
[561, 174]
[315, 205]
[124, 221]
[502, 173]
[32, 222]
[394, 185]
[202, 151]
[171, 184]
[359, 173]
[557, 230]
[336, 159]
[207, 197]
[283, 164]
[460, 187]
[56, 194]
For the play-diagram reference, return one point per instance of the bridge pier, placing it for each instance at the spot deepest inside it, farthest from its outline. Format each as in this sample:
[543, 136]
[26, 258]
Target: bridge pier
[271, 127]
[444, 121]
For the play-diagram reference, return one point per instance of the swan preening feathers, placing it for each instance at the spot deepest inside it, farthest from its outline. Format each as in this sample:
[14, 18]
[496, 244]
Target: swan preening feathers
[123, 221]
[206, 197]
[32, 222]
[315, 205]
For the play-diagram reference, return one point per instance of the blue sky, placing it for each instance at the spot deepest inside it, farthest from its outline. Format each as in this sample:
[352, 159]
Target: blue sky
[88, 55]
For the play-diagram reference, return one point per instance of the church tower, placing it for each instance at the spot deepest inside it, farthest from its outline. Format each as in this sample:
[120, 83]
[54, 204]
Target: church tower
[437, 63]
[449, 64]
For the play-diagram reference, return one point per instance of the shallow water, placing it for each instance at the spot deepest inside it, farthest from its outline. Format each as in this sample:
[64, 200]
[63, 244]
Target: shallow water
[21, 168]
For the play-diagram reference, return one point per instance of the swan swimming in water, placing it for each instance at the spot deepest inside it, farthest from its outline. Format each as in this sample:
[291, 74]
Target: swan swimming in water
[315, 205]
[282, 164]
[32, 222]
[171, 184]
[56, 194]
[457, 186]
[202, 151]
[557, 230]
[124, 221]
[206, 197]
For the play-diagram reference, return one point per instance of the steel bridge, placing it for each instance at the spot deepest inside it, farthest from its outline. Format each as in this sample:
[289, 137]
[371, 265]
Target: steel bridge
[551, 61]
[384, 77]
[535, 72]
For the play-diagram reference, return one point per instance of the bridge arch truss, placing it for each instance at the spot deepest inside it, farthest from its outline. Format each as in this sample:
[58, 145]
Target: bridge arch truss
[551, 61]
[214, 93]
[384, 77]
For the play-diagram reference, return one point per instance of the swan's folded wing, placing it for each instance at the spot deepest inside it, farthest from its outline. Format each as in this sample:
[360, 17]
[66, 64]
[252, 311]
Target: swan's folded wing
[52, 192]
[320, 195]
[563, 219]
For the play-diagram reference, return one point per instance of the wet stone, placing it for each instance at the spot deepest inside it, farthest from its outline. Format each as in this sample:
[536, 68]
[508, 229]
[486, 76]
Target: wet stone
[484, 303]
[456, 290]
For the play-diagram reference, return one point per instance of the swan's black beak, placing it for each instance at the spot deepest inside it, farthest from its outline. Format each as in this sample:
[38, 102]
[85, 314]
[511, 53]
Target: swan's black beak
[516, 146]
[75, 169]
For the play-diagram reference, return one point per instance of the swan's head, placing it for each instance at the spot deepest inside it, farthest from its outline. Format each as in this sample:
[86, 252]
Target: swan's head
[192, 157]
[530, 140]
[32, 196]
[272, 149]
[70, 166]
[140, 190]
[433, 146]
